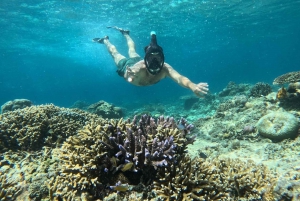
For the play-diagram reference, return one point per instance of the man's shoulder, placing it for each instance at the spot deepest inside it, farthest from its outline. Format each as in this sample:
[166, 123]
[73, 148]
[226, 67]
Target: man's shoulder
[139, 64]
[166, 65]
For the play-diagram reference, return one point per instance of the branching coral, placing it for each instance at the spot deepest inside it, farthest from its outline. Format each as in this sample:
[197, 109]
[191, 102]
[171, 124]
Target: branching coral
[32, 127]
[108, 152]
[260, 89]
[218, 179]
[108, 156]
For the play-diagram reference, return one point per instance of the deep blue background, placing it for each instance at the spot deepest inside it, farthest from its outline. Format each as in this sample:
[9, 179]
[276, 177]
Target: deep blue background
[46, 53]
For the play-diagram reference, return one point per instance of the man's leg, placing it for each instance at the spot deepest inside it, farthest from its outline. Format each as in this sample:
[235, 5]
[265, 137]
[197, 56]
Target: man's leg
[131, 46]
[113, 52]
[111, 49]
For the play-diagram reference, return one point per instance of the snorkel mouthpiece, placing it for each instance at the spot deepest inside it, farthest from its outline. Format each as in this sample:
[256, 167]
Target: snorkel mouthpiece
[154, 58]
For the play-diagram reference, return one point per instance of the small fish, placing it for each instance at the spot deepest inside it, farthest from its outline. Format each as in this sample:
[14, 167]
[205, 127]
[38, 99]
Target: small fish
[120, 187]
[126, 167]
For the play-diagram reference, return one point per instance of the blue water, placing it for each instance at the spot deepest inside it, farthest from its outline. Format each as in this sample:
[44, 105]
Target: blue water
[47, 54]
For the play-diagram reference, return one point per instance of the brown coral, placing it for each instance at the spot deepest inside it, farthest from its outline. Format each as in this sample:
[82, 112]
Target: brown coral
[108, 156]
[108, 152]
[33, 127]
[260, 89]
[217, 179]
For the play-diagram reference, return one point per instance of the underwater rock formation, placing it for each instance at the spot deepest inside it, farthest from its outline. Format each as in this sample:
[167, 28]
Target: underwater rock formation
[105, 110]
[189, 101]
[82, 105]
[234, 103]
[15, 104]
[233, 89]
[33, 127]
[278, 126]
[260, 89]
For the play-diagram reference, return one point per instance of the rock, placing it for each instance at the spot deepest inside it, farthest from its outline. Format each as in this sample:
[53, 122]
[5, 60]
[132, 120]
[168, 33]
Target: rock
[105, 110]
[278, 126]
[15, 104]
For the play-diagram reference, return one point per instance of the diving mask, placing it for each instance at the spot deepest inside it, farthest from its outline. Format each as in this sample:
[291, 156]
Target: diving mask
[154, 57]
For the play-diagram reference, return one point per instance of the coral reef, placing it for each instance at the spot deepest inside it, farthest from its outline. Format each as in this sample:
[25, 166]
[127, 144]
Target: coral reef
[260, 89]
[109, 152]
[189, 101]
[288, 78]
[236, 102]
[281, 94]
[82, 105]
[15, 104]
[289, 98]
[233, 89]
[294, 87]
[23, 174]
[105, 110]
[33, 127]
[150, 157]
[278, 126]
[215, 179]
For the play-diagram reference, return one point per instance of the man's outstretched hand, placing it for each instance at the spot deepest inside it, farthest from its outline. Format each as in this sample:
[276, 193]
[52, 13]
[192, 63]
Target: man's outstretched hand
[200, 89]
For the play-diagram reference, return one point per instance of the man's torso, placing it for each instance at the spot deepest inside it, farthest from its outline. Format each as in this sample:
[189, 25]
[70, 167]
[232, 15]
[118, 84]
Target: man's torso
[139, 76]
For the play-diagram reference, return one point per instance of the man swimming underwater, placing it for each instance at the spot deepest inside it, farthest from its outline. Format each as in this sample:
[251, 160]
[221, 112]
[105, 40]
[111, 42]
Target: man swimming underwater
[151, 69]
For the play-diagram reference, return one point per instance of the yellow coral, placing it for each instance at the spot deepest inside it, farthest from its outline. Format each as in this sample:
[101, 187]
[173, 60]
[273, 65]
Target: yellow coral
[282, 93]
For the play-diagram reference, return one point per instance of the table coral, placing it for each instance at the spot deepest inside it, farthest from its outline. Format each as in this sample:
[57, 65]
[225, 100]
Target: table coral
[287, 78]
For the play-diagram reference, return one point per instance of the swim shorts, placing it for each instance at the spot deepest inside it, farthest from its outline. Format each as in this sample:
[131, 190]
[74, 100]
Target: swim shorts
[127, 62]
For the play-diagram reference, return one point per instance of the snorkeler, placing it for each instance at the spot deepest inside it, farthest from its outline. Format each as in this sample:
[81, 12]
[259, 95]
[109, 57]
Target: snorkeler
[151, 69]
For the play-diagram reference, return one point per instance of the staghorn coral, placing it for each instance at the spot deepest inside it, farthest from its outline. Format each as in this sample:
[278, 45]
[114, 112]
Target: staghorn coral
[108, 152]
[215, 179]
[148, 156]
[32, 127]
[260, 89]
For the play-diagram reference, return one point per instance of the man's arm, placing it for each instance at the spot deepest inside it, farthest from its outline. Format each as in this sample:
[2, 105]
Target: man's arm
[198, 89]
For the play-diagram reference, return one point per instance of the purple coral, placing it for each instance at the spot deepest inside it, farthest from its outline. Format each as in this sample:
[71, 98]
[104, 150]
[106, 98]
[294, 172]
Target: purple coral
[144, 145]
